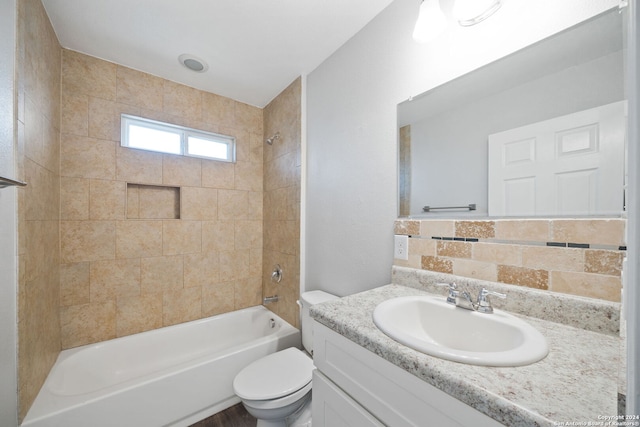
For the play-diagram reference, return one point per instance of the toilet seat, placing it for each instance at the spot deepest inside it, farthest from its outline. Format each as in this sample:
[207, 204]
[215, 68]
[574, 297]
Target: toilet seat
[275, 376]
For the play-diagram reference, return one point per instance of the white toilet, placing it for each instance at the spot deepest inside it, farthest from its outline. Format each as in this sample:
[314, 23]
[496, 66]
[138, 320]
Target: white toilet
[277, 388]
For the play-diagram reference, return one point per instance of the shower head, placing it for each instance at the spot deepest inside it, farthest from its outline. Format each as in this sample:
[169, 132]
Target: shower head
[273, 138]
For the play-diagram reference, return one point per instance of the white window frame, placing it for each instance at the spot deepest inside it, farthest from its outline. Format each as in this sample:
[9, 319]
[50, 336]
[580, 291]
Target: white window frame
[184, 133]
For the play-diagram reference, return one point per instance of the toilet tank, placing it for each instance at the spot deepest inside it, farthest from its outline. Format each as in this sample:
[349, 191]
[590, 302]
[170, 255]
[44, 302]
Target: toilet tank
[307, 299]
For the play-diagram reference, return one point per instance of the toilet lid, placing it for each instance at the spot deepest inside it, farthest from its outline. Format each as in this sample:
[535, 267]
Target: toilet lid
[274, 376]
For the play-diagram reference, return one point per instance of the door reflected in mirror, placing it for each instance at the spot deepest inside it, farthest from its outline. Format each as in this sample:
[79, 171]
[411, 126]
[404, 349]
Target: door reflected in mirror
[541, 132]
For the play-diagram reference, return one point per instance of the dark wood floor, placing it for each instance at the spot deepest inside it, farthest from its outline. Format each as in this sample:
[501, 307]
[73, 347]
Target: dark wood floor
[235, 416]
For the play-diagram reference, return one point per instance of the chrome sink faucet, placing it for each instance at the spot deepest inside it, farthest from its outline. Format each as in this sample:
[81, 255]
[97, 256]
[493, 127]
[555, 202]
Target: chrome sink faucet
[463, 299]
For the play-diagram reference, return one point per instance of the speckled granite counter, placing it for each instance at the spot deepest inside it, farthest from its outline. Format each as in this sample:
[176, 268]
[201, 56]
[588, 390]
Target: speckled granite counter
[576, 382]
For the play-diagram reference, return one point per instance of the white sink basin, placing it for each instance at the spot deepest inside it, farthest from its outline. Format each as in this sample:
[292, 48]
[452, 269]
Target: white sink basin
[434, 327]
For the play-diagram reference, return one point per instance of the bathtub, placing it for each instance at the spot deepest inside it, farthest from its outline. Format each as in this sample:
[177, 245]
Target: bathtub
[173, 376]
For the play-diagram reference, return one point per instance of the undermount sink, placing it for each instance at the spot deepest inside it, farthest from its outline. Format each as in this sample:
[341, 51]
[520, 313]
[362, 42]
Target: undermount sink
[434, 327]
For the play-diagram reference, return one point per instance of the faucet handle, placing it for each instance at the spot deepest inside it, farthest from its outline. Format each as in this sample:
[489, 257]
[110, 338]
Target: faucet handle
[484, 304]
[453, 293]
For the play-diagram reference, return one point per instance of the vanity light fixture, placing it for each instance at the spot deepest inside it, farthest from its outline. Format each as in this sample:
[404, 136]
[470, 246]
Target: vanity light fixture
[193, 63]
[472, 12]
[431, 21]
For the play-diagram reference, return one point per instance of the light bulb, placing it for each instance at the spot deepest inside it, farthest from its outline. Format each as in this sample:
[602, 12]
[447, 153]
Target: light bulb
[431, 22]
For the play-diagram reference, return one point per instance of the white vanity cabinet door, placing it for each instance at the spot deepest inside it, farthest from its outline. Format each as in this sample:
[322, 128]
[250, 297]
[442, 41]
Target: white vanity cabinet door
[333, 408]
[390, 394]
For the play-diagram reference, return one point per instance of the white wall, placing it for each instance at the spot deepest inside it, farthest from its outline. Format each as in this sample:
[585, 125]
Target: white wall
[8, 248]
[351, 190]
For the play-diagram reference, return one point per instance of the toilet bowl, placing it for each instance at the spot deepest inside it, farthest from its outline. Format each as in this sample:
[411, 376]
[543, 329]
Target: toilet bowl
[276, 389]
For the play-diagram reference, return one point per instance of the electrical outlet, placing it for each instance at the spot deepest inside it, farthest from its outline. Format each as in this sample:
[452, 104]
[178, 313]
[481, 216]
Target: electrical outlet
[401, 247]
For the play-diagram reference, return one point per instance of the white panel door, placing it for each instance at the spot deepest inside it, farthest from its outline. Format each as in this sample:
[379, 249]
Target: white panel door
[569, 165]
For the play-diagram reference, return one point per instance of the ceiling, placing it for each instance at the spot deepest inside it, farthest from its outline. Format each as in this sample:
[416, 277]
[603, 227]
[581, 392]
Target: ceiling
[254, 48]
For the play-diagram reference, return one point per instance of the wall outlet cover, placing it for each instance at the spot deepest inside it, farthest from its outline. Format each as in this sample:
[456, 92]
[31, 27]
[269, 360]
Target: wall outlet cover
[401, 247]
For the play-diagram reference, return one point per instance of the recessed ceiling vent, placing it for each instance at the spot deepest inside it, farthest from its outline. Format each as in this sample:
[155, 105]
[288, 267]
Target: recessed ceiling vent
[193, 63]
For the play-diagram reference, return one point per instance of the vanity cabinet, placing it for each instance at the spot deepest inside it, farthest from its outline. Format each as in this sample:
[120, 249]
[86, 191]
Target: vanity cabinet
[354, 387]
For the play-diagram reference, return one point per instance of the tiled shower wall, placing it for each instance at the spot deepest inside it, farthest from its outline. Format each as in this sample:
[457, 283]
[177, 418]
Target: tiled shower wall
[574, 256]
[282, 200]
[125, 266]
[38, 157]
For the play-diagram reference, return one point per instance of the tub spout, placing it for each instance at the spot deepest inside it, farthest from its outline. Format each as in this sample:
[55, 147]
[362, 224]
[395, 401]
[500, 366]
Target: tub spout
[267, 300]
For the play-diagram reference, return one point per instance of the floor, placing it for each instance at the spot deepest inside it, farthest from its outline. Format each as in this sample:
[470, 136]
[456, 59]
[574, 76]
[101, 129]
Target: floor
[235, 416]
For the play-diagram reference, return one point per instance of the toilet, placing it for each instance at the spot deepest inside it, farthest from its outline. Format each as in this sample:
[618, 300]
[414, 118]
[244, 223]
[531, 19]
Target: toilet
[276, 389]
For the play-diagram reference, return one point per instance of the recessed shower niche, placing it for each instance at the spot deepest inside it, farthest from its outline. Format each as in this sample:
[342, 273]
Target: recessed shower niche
[152, 202]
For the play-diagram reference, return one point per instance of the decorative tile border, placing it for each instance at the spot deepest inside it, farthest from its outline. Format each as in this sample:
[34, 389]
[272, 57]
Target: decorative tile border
[575, 256]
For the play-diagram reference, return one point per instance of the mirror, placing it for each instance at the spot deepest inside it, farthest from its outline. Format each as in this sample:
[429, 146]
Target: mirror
[444, 134]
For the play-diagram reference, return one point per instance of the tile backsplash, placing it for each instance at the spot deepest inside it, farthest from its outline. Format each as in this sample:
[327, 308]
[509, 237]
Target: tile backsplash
[573, 256]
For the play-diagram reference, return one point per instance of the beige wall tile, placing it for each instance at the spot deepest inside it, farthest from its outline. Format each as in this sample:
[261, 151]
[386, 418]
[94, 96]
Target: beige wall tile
[107, 199]
[497, 253]
[585, 284]
[234, 265]
[114, 278]
[218, 174]
[218, 236]
[282, 236]
[281, 172]
[437, 228]
[181, 171]
[181, 305]
[138, 314]
[138, 239]
[522, 276]
[87, 240]
[37, 161]
[475, 269]
[553, 258]
[74, 284]
[419, 247]
[87, 157]
[248, 234]
[453, 249]
[475, 229]
[524, 230]
[75, 114]
[74, 198]
[133, 201]
[593, 231]
[234, 204]
[87, 323]
[181, 237]
[218, 298]
[218, 110]
[254, 206]
[603, 262]
[406, 227]
[248, 118]
[248, 176]
[248, 292]
[441, 265]
[83, 74]
[138, 166]
[104, 118]
[199, 203]
[138, 89]
[201, 269]
[182, 101]
[161, 273]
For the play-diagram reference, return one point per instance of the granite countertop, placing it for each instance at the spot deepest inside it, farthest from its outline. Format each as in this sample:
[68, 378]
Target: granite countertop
[577, 382]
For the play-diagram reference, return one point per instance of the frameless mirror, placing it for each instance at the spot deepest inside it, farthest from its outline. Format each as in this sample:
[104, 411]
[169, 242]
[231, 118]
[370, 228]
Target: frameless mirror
[540, 132]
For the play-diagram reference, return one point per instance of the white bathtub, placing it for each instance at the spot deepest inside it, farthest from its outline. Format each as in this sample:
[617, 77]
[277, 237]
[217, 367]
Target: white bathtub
[172, 376]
